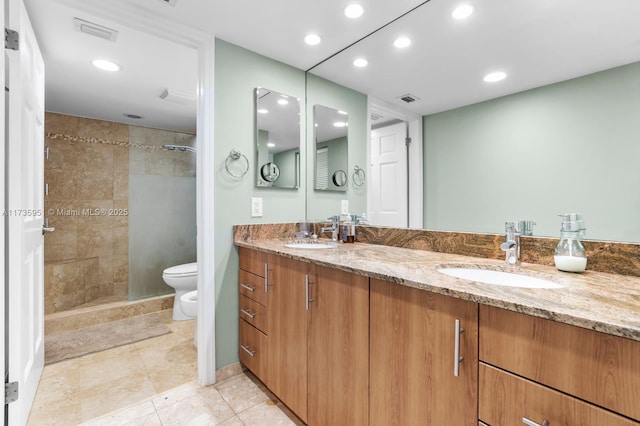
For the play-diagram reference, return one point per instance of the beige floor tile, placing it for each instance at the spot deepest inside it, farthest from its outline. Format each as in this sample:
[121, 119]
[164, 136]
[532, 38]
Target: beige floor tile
[108, 396]
[205, 408]
[268, 413]
[177, 394]
[170, 365]
[143, 413]
[242, 393]
[233, 421]
[107, 371]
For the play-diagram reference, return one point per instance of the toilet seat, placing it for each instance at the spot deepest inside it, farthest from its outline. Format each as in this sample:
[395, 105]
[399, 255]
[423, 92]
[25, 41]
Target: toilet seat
[186, 270]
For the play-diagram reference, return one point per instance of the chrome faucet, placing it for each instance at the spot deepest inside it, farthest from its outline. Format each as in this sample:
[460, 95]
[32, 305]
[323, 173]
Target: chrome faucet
[335, 223]
[511, 247]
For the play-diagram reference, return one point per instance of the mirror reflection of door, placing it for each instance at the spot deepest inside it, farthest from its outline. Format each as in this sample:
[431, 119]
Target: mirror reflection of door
[277, 139]
[331, 148]
[388, 191]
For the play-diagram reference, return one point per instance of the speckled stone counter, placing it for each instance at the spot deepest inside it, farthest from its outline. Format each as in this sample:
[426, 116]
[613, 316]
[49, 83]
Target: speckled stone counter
[599, 301]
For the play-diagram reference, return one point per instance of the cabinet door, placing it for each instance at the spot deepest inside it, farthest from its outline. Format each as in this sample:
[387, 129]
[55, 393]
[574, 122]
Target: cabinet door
[287, 319]
[338, 349]
[413, 343]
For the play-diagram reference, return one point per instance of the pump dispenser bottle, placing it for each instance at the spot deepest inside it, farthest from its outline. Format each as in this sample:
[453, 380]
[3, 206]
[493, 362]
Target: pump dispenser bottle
[570, 254]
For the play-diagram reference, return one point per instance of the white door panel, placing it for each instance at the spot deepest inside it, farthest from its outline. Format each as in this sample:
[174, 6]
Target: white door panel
[25, 202]
[388, 172]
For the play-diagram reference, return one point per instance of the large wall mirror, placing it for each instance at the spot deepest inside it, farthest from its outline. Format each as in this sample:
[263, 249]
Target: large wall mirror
[557, 135]
[277, 139]
[331, 147]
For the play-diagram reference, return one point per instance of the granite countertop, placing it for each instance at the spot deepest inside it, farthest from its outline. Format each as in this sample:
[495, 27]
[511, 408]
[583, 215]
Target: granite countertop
[599, 301]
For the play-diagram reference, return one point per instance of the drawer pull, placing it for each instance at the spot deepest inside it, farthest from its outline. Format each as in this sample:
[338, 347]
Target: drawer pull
[266, 277]
[248, 350]
[248, 313]
[307, 283]
[457, 359]
[248, 287]
[529, 422]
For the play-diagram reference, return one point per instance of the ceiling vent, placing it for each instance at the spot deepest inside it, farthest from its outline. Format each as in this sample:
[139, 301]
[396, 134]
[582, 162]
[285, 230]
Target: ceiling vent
[169, 2]
[375, 116]
[94, 29]
[408, 98]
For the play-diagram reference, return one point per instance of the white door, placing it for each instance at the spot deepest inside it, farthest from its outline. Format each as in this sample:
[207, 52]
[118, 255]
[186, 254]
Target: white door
[25, 202]
[388, 172]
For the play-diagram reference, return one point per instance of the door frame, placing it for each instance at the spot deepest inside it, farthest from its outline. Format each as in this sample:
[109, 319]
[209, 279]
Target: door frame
[2, 228]
[416, 183]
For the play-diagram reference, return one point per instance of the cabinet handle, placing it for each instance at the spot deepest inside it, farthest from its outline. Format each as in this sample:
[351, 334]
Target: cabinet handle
[457, 359]
[266, 277]
[529, 422]
[247, 287]
[307, 283]
[248, 350]
[248, 313]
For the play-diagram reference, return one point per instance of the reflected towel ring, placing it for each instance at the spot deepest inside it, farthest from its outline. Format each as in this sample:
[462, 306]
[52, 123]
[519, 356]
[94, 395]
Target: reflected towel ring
[359, 176]
[233, 156]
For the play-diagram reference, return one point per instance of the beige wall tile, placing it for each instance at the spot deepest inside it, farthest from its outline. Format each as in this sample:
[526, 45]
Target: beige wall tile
[99, 129]
[60, 245]
[61, 124]
[62, 154]
[63, 184]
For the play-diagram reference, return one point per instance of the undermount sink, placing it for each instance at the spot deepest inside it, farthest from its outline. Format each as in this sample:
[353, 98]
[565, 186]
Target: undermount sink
[509, 279]
[314, 245]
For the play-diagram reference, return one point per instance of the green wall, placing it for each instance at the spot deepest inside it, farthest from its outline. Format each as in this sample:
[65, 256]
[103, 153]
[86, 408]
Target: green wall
[237, 73]
[568, 147]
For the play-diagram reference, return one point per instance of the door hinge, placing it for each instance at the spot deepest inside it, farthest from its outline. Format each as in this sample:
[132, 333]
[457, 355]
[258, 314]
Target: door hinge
[11, 39]
[11, 392]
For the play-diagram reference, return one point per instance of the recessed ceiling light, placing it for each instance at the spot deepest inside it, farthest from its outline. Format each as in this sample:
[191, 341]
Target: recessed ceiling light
[263, 111]
[271, 144]
[343, 112]
[105, 65]
[360, 63]
[463, 11]
[353, 11]
[339, 124]
[283, 101]
[495, 76]
[402, 42]
[312, 39]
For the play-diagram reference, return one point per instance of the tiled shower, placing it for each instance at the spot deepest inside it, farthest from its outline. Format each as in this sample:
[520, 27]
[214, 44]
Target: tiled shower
[123, 209]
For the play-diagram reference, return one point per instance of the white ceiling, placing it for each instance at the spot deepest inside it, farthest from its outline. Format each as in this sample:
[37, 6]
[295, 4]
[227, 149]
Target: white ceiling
[536, 41]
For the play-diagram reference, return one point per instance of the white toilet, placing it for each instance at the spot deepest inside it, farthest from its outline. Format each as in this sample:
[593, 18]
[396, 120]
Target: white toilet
[183, 278]
[189, 306]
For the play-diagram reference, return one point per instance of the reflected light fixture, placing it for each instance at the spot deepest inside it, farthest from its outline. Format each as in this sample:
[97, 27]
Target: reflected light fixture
[353, 11]
[402, 42]
[106, 65]
[495, 76]
[312, 39]
[263, 111]
[271, 144]
[283, 101]
[339, 124]
[463, 11]
[360, 63]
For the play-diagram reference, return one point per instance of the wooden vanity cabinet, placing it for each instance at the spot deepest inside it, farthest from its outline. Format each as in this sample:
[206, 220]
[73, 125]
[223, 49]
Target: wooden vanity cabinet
[598, 368]
[253, 327]
[413, 341]
[338, 348]
[287, 318]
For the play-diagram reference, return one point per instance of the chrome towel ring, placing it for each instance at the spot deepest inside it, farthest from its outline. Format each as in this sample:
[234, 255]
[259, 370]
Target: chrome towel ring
[233, 156]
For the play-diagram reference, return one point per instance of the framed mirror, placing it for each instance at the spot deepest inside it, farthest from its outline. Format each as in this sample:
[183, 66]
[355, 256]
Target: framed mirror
[277, 139]
[331, 147]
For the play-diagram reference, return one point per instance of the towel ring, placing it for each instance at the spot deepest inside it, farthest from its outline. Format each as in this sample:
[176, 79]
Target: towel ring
[235, 155]
[359, 176]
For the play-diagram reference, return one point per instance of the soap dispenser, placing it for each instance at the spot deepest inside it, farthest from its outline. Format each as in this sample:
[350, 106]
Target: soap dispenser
[570, 255]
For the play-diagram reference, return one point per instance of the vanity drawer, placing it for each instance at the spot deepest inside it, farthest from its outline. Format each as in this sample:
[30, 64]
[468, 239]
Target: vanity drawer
[252, 286]
[252, 261]
[253, 349]
[505, 399]
[253, 313]
[597, 367]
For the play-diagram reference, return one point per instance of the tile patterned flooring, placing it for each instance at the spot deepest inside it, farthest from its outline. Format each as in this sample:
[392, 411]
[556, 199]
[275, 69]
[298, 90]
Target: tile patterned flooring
[152, 382]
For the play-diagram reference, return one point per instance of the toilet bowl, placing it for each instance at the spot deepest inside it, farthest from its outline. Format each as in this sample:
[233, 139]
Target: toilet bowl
[183, 278]
[189, 304]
